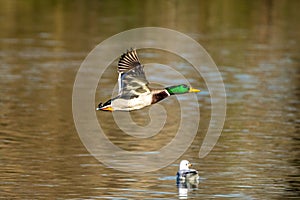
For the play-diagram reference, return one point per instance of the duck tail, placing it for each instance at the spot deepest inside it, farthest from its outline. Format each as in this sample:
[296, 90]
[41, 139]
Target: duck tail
[128, 61]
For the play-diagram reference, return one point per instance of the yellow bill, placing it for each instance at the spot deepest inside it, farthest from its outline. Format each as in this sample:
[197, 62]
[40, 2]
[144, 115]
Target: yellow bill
[194, 90]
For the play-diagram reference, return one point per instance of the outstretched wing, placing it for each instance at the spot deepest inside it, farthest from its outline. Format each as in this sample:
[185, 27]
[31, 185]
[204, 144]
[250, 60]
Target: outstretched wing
[132, 79]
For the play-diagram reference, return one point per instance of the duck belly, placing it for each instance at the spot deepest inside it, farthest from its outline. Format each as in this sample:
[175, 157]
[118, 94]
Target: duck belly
[132, 104]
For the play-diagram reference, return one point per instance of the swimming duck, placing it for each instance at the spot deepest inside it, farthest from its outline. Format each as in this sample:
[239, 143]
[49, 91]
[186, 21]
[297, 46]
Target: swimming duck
[134, 92]
[185, 173]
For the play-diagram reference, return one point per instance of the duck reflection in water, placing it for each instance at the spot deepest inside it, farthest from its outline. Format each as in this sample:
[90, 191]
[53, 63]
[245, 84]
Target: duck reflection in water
[187, 179]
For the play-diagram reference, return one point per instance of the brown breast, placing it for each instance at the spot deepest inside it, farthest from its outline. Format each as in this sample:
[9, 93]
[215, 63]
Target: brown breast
[159, 95]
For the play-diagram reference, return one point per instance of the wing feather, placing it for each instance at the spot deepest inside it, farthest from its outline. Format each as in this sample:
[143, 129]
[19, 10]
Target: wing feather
[132, 79]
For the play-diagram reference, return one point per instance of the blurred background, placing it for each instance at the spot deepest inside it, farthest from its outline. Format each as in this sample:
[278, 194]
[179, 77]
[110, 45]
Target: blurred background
[255, 45]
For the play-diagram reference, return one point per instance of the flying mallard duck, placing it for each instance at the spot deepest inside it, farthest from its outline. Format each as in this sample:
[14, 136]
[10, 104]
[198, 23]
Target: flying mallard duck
[185, 173]
[134, 92]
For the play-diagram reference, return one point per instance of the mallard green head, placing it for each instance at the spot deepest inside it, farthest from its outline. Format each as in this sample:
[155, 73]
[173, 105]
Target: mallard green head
[180, 89]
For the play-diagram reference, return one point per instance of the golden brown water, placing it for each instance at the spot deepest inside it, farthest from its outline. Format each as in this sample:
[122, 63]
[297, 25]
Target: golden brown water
[255, 45]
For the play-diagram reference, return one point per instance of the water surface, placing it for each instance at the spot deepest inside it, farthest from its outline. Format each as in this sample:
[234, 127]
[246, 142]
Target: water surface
[255, 45]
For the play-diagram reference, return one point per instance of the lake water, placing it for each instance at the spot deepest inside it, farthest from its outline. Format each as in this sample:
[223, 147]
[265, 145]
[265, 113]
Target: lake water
[255, 45]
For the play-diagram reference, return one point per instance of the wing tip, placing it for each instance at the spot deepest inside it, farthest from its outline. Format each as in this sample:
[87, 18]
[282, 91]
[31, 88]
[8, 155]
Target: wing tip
[128, 60]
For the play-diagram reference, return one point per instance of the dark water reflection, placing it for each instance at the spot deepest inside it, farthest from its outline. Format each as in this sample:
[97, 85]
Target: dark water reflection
[254, 43]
